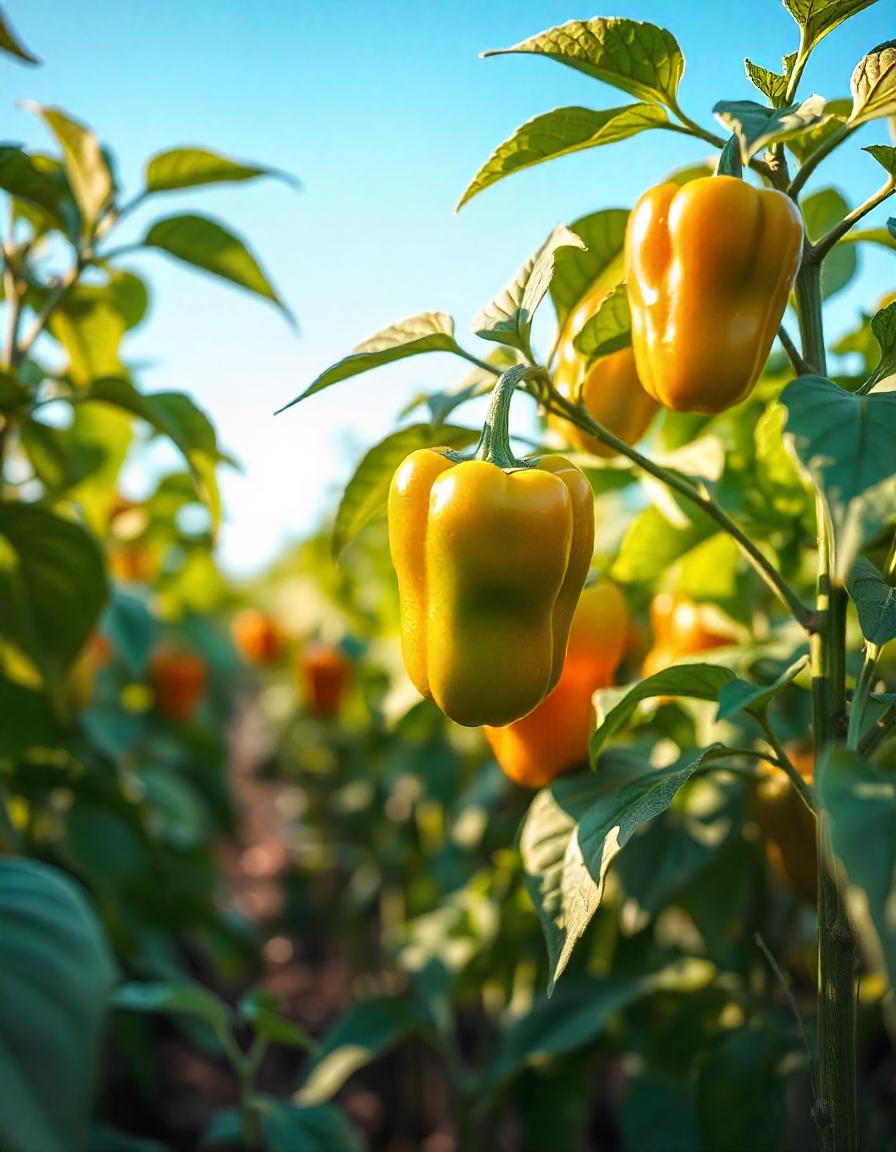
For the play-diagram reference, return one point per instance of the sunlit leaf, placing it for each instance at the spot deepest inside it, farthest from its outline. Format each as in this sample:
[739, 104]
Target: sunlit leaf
[756, 126]
[560, 133]
[873, 84]
[821, 211]
[742, 696]
[85, 164]
[637, 57]
[192, 167]
[609, 329]
[770, 84]
[10, 43]
[817, 18]
[599, 263]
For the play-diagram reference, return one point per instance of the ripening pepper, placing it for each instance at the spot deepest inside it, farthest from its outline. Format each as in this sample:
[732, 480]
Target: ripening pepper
[680, 628]
[787, 824]
[490, 563]
[257, 636]
[609, 389]
[554, 736]
[709, 268]
[325, 673]
[178, 679]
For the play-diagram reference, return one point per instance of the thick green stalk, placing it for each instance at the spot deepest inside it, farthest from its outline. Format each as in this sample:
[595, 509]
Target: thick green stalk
[494, 444]
[835, 1106]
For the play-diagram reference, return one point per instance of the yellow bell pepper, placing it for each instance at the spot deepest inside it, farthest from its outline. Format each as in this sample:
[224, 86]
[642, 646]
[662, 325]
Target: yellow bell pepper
[709, 268]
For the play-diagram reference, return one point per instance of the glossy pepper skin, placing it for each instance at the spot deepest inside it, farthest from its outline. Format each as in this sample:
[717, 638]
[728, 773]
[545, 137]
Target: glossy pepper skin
[610, 389]
[554, 737]
[709, 268]
[490, 565]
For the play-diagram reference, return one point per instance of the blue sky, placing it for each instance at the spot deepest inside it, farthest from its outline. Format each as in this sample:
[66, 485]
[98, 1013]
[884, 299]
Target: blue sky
[384, 111]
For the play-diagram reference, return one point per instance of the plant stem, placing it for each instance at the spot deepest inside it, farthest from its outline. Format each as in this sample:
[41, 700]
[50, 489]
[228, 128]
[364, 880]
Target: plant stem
[812, 162]
[494, 444]
[804, 790]
[577, 415]
[821, 248]
[797, 363]
[863, 687]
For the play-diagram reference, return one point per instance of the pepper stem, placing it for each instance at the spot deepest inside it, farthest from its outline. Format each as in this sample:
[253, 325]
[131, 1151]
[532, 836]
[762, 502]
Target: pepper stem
[494, 443]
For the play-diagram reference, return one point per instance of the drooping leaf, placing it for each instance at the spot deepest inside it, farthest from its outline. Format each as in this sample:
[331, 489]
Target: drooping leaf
[560, 133]
[10, 43]
[821, 211]
[756, 126]
[875, 601]
[817, 18]
[365, 1032]
[85, 164]
[845, 443]
[572, 833]
[366, 494]
[52, 586]
[206, 244]
[609, 329]
[637, 57]
[695, 681]
[860, 802]
[742, 696]
[428, 332]
[873, 84]
[178, 168]
[508, 319]
[56, 971]
[578, 270]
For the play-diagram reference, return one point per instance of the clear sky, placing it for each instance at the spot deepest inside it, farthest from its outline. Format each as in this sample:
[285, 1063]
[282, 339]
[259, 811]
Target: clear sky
[384, 112]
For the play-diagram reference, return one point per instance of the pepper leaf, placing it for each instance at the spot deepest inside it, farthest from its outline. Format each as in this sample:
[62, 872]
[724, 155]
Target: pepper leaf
[608, 330]
[508, 319]
[191, 167]
[845, 443]
[578, 270]
[85, 164]
[741, 696]
[882, 236]
[560, 133]
[639, 58]
[770, 84]
[206, 244]
[367, 493]
[696, 681]
[836, 113]
[873, 84]
[756, 126]
[885, 155]
[821, 211]
[883, 328]
[10, 43]
[817, 18]
[573, 832]
[427, 332]
[875, 601]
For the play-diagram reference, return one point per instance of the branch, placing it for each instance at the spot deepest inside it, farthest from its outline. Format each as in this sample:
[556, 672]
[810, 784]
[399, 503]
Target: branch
[797, 363]
[812, 162]
[820, 249]
[576, 414]
[691, 128]
[806, 793]
[881, 730]
[54, 299]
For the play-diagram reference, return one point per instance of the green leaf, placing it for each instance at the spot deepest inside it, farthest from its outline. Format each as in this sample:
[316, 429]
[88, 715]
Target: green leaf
[52, 586]
[821, 211]
[13, 394]
[883, 329]
[31, 179]
[696, 681]
[741, 696]
[639, 58]
[28, 719]
[885, 155]
[508, 319]
[178, 417]
[756, 127]
[882, 236]
[192, 167]
[85, 164]
[367, 493]
[365, 1032]
[90, 323]
[835, 116]
[742, 1092]
[131, 629]
[770, 84]
[817, 18]
[286, 1128]
[651, 545]
[428, 332]
[10, 43]
[873, 84]
[845, 443]
[261, 1009]
[573, 831]
[175, 998]
[560, 133]
[578, 1012]
[56, 971]
[861, 804]
[875, 601]
[609, 329]
[600, 262]
[206, 244]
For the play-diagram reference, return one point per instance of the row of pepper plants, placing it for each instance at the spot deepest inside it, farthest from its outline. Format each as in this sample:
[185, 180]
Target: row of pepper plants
[766, 486]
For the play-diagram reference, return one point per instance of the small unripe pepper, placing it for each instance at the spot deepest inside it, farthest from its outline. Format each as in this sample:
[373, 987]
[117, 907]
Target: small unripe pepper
[709, 268]
[609, 389]
[554, 737]
[491, 554]
[325, 673]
